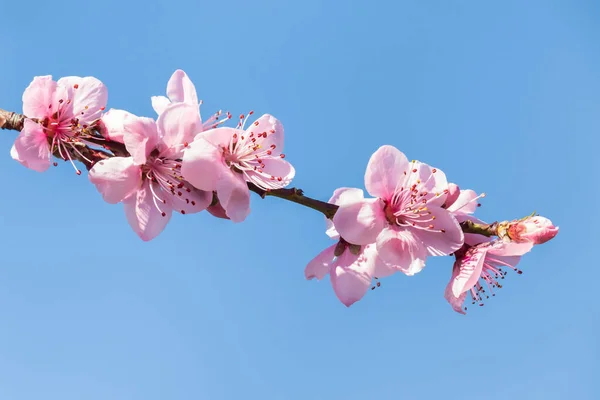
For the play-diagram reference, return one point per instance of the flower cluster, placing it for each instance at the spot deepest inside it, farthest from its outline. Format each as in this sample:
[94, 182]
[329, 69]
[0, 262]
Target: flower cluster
[178, 162]
[174, 163]
[415, 213]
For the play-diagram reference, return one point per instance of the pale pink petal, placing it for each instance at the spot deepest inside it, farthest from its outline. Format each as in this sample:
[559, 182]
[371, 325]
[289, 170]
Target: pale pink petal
[351, 277]
[399, 247]
[31, 147]
[453, 193]
[466, 203]
[181, 89]
[217, 211]
[360, 222]
[385, 171]
[319, 266]
[276, 173]
[469, 270]
[178, 124]
[113, 122]
[234, 195]
[140, 138]
[443, 235]
[143, 214]
[88, 97]
[220, 137]
[455, 302]
[203, 165]
[191, 202]
[381, 268]
[159, 103]
[116, 178]
[341, 196]
[430, 182]
[501, 248]
[39, 97]
[272, 127]
[345, 195]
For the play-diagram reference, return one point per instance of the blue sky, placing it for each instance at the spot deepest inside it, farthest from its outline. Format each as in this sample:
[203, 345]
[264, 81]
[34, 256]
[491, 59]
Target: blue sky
[502, 96]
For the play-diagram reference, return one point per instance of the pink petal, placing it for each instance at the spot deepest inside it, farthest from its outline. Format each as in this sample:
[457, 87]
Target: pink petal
[342, 196]
[469, 270]
[501, 248]
[274, 129]
[191, 202]
[455, 302]
[181, 89]
[234, 195]
[351, 277]
[219, 136]
[38, 96]
[31, 147]
[274, 168]
[429, 181]
[385, 171]
[445, 237]
[116, 178]
[466, 203]
[178, 124]
[140, 138]
[88, 97]
[453, 193]
[217, 211]
[360, 222]
[113, 122]
[399, 247]
[381, 268]
[319, 266]
[159, 103]
[143, 214]
[203, 165]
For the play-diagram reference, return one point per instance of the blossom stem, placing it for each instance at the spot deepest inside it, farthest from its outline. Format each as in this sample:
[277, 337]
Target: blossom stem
[89, 156]
[480, 229]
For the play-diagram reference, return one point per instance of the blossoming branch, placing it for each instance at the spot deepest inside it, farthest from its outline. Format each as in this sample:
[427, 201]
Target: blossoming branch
[177, 162]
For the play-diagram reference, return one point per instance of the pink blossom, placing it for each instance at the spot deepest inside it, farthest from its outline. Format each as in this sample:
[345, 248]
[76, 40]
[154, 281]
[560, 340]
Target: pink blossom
[353, 269]
[478, 269]
[536, 230]
[406, 219]
[58, 115]
[149, 182]
[224, 159]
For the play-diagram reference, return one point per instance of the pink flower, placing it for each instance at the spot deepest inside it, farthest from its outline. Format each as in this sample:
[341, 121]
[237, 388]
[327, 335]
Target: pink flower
[58, 115]
[479, 268]
[406, 219]
[224, 159]
[351, 268]
[149, 183]
[536, 230]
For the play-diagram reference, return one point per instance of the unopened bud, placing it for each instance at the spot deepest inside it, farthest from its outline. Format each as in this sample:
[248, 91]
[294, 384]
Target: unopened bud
[534, 229]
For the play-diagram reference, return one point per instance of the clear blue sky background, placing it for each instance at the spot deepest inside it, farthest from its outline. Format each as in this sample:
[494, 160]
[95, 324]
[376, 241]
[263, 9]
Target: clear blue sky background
[503, 96]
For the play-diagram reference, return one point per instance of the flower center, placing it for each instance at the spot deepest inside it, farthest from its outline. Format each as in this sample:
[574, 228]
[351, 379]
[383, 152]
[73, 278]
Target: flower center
[167, 184]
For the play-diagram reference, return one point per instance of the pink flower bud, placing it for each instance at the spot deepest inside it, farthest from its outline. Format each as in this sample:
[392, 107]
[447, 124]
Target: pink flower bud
[536, 230]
